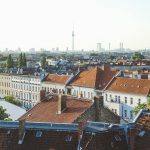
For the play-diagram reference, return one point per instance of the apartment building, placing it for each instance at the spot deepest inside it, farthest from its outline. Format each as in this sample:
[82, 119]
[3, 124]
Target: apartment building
[123, 94]
[54, 83]
[26, 88]
[90, 83]
[5, 85]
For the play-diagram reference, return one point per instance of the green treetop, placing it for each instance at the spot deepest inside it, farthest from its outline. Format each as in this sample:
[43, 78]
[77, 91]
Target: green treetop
[24, 61]
[3, 113]
[9, 62]
[137, 56]
[20, 61]
[43, 62]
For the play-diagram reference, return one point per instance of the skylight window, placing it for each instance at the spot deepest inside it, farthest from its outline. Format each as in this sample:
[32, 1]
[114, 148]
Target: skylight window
[68, 138]
[117, 138]
[38, 133]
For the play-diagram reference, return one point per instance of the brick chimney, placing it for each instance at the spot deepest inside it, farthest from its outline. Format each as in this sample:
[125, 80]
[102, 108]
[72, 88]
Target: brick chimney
[98, 103]
[62, 100]
[106, 67]
[42, 95]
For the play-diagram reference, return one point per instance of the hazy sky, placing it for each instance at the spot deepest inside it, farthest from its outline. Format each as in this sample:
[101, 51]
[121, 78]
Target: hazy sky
[49, 23]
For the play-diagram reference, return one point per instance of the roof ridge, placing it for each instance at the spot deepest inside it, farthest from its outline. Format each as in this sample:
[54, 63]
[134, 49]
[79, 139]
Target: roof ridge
[132, 78]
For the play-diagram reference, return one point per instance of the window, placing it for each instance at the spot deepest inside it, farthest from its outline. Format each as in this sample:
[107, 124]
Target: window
[91, 95]
[106, 96]
[74, 92]
[125, 99]
[139, 101]
[84, 94]
[110, 97]
[131, 100]
[131, 115]
[125, 113]
[88, 94]
[118, 99]
[38, 134]
[115, 98]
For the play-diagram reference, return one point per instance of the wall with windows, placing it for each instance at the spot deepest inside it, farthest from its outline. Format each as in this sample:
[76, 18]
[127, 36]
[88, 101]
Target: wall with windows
[5, 85]
[26, 89]
[53, 87]
[123, 103]
[83, 92]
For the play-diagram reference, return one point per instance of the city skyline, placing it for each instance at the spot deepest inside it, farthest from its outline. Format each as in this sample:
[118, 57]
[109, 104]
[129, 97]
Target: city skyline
[48, 24]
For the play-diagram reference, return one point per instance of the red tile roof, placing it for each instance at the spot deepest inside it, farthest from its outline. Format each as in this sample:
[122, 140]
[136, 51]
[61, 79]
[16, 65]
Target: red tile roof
[95, 78]
[54, 78]
[143, 124]
[130, 85]
[46, 111]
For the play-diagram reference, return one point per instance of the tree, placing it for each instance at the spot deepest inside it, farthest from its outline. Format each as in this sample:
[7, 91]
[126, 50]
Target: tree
[148, 99]
[93, 54]
[43, 62]
[137, 56]
[9, 62]
[20, 62]
[3, 113]
[111, 57]
[12, 100]
[139, 107]
[24, 61]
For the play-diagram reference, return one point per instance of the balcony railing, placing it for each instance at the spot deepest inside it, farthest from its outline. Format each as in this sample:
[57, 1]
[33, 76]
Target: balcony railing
[114, 101]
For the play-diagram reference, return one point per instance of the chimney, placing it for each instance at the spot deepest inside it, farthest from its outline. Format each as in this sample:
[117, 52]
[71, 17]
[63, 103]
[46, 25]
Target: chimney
[61, 103]
[21, 131]
[98, 103]
[106, 67]
[42, 95]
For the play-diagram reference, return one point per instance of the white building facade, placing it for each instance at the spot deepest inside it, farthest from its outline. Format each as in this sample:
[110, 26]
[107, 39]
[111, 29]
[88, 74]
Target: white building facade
[26, 89]
[54, 83]
[83, 92]
[123, 102]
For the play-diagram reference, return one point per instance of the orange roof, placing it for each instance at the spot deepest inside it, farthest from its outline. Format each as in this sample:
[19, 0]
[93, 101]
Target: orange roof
[130, 85]
[96, 78]
[57, 78]
[46, 111]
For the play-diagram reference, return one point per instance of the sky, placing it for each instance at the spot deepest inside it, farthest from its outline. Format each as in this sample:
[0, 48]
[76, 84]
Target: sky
[49, 23]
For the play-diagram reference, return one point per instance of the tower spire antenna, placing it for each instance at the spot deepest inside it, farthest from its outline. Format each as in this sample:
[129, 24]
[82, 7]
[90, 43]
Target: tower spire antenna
[73, 39]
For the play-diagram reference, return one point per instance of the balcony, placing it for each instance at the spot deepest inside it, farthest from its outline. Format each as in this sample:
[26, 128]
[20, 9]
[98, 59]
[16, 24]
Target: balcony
[114, 101]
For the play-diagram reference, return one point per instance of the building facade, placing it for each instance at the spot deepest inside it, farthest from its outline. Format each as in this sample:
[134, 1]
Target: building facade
[123, 94]
[89, 83]
[26, 89]
[5, 85]
[54, 83]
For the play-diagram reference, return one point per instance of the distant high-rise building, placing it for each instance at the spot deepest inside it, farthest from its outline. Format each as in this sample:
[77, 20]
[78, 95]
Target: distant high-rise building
[99, 46]
[73, 40]
[109, 47]
[121, 46]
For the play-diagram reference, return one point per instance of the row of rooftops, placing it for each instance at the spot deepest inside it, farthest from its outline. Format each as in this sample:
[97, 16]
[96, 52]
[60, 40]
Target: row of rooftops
[94, 78]
[102, 79]
[90, 135]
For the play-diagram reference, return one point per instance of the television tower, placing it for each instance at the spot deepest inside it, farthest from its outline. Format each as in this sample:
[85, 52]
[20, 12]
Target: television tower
[73, 40]
[109, 47]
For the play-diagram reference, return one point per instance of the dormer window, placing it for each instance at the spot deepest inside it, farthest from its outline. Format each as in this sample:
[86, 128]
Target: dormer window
[38, 134]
